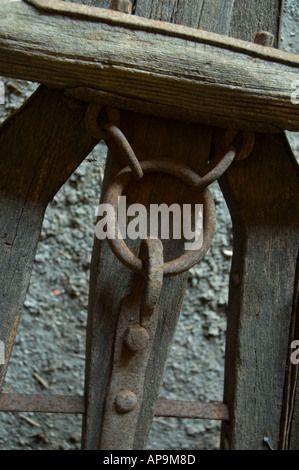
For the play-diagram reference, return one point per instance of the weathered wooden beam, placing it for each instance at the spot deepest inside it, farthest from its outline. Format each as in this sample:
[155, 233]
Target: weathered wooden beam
[40, 147]
[170, 70]
[263, 199]
[110, 280]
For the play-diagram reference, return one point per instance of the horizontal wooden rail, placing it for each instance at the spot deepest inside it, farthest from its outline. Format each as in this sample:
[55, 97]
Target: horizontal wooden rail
[43, 403]
[149, 66]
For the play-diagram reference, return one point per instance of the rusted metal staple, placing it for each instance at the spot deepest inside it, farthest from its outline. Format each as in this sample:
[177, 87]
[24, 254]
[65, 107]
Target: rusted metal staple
[242, 141]
[237, 145]
[103, 123]
[123, 146]
[138, 312]
[215, 169]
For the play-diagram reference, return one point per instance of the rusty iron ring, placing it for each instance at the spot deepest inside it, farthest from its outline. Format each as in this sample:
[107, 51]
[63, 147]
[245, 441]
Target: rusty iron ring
[151, 253]
[187, 176]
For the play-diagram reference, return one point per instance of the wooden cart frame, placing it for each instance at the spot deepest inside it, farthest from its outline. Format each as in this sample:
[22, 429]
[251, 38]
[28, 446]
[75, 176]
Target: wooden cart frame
[180, 88]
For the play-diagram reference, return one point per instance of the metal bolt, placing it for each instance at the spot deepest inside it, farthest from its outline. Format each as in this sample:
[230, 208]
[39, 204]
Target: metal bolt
[125, 401]
[264, 38]
[137, 338]
[124, 6]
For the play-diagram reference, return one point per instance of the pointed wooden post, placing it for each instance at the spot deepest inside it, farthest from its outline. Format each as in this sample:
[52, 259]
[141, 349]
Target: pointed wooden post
[246, 391]
[40, 146]
[151, 138]
[262, 193]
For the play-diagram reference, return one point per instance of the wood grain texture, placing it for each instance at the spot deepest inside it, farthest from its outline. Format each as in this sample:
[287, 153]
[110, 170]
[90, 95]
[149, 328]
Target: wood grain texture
[204, 15]
[216, 80]
[266, 17]
[262, 193]
[263, 201]
[151, 138]
[110, 281]
[40, 146]
[290, 413]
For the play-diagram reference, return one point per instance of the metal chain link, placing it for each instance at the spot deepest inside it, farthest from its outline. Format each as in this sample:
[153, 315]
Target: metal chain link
[103, 123]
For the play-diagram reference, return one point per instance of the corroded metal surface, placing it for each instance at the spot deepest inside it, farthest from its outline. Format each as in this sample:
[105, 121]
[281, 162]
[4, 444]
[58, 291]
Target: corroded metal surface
[121, 145]
[44, 403]
[188, 409]
[189, 177]
[125, 391]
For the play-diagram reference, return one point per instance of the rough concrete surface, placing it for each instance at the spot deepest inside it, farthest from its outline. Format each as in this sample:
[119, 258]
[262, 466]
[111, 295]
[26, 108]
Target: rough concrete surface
[50, 343]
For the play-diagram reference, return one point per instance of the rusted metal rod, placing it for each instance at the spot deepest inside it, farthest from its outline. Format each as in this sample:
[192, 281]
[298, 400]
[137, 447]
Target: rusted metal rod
[189, 409]
[45, 403]
[42, 403]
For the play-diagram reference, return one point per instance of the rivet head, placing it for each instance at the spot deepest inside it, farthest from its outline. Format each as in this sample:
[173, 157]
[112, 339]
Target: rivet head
[124, 6]
[125, 401]
[264, 38]
[137, 338]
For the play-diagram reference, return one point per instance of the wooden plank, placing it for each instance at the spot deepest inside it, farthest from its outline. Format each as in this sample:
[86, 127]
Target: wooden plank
[276, 247]
[263, 201]
[40, 146]
[245, 23]
[208, 16]
[110, 281]
[122, 55]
